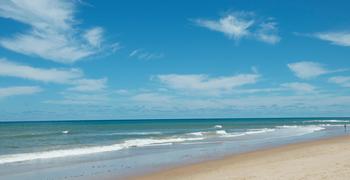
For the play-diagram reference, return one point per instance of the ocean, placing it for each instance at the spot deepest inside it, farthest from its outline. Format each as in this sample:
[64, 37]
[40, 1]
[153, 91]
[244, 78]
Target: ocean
[118, 148]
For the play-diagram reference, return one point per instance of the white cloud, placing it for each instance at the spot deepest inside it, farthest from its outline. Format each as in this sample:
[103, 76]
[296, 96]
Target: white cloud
[258, 90]
[39, 13]
[71, 98]
[88, 85]
[337, 38]
[151, 98]
[340, 80]
[233, 25]
[74, 77]
[144, 55]
[268, 33]
[122, 92]
[248, 105]
[307, 69]
[94, 36]
[204, 84]
[243, 25]
[18, 90]
[8, 68]
[300, 87]
[52, 34]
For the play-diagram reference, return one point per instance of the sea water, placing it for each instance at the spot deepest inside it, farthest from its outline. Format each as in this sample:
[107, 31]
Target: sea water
[118, 148]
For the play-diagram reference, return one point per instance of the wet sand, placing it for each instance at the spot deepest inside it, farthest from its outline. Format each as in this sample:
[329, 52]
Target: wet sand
[321, 159]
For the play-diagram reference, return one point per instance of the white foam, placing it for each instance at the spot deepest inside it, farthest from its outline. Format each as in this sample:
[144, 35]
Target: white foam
[302, 130]
[91, 150]
[331, 125]
[221, 132]
[197, 133]
[233, 134]
[217, 133]
[145, 142]
[57, 153]
[136, 133]
[65, 132]
[218, 126]
[289, 130]
[258, 131]
[330, 121]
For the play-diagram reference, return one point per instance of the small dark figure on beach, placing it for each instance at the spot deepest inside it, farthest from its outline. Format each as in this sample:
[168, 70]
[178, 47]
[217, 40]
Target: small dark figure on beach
[345, 127]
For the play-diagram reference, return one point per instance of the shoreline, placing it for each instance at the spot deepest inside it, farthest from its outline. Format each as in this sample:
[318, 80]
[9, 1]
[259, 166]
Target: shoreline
[303, 160]
[121, 152]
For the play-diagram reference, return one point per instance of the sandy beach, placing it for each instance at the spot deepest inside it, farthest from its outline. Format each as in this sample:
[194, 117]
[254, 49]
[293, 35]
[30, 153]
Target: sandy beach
[321, 159]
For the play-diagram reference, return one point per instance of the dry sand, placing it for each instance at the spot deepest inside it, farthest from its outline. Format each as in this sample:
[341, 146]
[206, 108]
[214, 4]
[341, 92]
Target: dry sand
[322, 159]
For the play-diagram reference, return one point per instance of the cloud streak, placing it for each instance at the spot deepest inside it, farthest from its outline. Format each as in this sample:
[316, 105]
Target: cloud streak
[300, 87]
[340, 80]
[53, 33]
[202, 83]
[74, 77]
[11, 69]
[144, 55]
[308, 69]
[240, 25]
[18, 90]
[336, 38]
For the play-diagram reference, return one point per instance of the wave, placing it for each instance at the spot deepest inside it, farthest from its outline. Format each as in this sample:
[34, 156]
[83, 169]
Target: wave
[33, 134]
[188, 138]
[221, 132]
[224, 133]
[218, 126]
[92, 150]
[147, 142]
[301, 130]
[329, 121]
[197, 133]
[136, 133]
[258, 131]
[248, 132]
[332, 125]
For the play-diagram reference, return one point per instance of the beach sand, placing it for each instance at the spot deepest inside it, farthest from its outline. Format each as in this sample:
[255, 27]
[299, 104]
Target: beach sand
[321, 159]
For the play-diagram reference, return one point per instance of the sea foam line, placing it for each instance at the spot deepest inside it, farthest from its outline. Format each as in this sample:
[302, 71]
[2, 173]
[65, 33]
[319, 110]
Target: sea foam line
[91, 150]
[224, 133]
[330, 121]
[196, 136]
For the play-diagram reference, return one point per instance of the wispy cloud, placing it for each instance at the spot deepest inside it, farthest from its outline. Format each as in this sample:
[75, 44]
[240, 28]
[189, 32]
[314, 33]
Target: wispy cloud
[122, 92]
[267, 32]
[11, 69]
[53, 33]
[144, 55]
[94, 36]
[201, 83]
[234, 26]
[300, 87]
[240, 25]
[74, 77]
[73, 98]
[89, 85]
[308, 69]
[340, 80]
[336, 38]
[268, 104]
[19, 90]
[151, 98]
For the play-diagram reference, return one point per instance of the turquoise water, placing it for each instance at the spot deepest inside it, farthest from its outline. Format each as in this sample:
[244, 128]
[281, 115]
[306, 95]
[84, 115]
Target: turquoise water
[130, 143]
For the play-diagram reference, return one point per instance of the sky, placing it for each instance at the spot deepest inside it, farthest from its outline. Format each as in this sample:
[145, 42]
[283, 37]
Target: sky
[128, 59]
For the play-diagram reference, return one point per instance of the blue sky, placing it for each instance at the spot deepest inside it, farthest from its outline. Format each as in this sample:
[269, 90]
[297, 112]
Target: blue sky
[173, 59]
